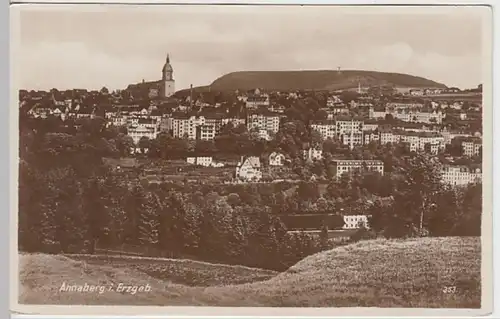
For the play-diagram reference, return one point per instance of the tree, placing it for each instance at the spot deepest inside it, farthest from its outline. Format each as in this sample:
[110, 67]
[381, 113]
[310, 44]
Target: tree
[321, 115]
[144, 144]
[148, 221]
[323, 237]
[414, 199]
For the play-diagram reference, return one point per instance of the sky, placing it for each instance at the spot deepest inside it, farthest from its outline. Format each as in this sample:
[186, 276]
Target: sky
[94, 46]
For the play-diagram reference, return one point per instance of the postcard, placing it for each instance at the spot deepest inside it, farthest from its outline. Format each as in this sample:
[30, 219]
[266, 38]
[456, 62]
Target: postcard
[251, 160]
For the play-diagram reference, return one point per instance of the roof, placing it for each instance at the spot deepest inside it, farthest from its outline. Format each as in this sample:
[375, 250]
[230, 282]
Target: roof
[264, 112]
[323, 122]
[373, 162]
[167, 67]
[273, 155]
[253, 161]
[349, 118]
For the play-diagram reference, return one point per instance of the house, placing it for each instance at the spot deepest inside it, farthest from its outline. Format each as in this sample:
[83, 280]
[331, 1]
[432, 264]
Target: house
[355, 221]
[201, 161]
[350, 166]
[139, 132]
[276, 159]
[472, 146]
[196, 127]
[352, 139]
[326, 128]
[312, 154]
[249, 169]
[377, 113]
[371, 136]
[346, 125]
[268, 121]
[235, 121]
[458, 175]
[418, 141]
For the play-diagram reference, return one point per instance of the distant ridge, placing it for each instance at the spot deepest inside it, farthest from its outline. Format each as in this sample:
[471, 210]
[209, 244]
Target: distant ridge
[317, 80]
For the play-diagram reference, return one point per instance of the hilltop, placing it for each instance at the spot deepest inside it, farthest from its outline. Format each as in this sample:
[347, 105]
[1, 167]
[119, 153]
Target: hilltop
[317, 80]
[375, 273]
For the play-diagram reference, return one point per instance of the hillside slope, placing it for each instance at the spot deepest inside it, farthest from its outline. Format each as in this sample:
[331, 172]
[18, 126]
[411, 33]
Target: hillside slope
[376, 273]
[316, 80]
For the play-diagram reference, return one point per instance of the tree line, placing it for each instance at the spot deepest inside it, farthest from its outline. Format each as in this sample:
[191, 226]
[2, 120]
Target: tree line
[69, 202]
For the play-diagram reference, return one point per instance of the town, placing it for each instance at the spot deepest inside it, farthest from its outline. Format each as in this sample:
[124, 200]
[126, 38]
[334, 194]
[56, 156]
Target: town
[349, 144]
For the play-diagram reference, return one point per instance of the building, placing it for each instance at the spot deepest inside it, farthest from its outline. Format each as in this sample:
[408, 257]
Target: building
[196, 127]
[147, 122]
[389, 136]
[312, 154]
[431, 142]
[264, 121]
[276, 159]
[370, 125]
[355, 221]
[417, 115]
[119, 120]
[352, 139]
[167, 81]
[184, 126]
[234, 120]
[371, 136]
[346, 125]
[254, 102]
[326, 128]
[376, 113]
[472, 147]
[350, 166]
[449, 135]
[249, 169]
[200, 160]
[459, 175]
[138, 132]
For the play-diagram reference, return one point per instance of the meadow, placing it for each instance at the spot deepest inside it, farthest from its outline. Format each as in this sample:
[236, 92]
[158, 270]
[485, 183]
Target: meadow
[374, 273]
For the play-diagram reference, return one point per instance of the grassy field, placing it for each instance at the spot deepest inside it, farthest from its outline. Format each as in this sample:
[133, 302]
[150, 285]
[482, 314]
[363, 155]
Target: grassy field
[183, 271]
[377, 273]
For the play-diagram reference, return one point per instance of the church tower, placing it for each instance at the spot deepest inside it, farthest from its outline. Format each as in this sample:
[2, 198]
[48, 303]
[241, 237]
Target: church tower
[167, 80]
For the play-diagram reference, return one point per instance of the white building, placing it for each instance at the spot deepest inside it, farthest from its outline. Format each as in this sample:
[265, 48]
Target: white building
[348, 125]
[376, 114]
[472, 146]
[327, 129]
[312, 154]
[355, 221]
[371, 136]
[352, 139]
[389, 136]
[418, 141]
[265, 121]
[350, 166]
[200, 160]
[136, 133]
[193, 127]
[257, 101]
[460, 175]
[235, 121]
[249, 169]
[276, 159]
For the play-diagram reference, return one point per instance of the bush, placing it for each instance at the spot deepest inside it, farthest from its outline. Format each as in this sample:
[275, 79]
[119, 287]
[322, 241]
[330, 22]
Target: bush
[363, 233]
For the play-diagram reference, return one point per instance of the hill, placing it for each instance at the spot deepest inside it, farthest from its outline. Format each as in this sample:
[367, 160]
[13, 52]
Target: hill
[317, 80]
[376, 273]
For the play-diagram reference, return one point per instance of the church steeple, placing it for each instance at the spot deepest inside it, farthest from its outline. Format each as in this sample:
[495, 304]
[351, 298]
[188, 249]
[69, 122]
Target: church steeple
[168, 82]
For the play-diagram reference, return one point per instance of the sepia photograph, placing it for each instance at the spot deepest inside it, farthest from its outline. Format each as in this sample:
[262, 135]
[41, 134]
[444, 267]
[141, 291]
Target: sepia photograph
[252, 156]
